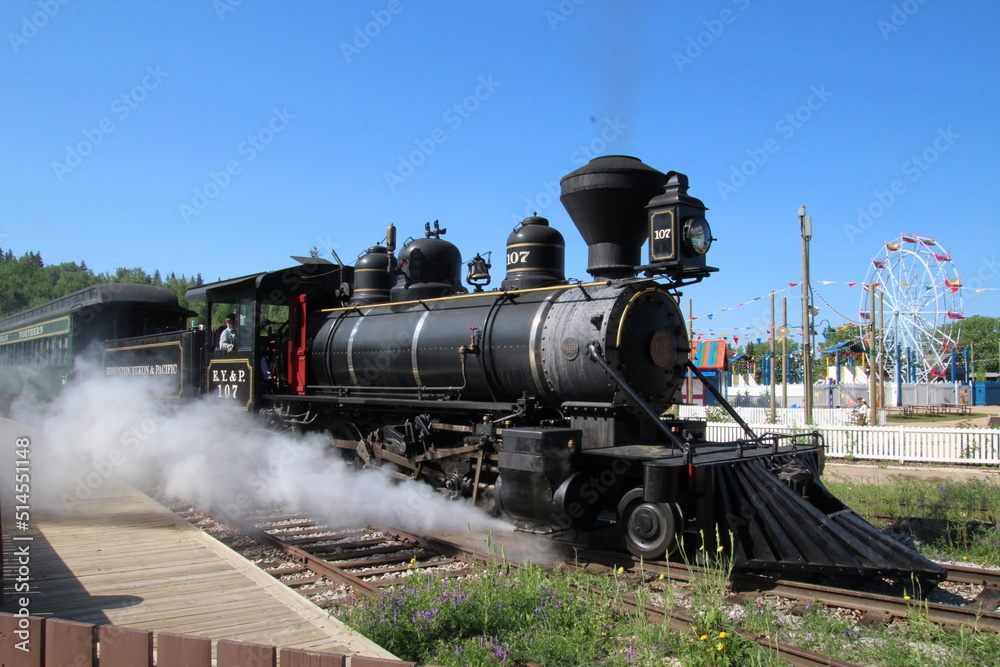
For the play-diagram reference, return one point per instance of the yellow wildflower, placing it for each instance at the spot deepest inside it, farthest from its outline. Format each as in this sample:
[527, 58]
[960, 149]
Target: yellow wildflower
[703, 638]
[723, 635]
[662, 577]
[720, 646]
[906, 597]
[620, 570]
[719, 548]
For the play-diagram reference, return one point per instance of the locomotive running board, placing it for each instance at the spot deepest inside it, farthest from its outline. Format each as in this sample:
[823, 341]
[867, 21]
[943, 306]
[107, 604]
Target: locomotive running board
[775, 528]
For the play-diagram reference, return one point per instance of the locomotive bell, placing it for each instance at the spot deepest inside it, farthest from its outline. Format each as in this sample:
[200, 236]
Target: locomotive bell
[536, 256]
[679, 235]
[606, 199]
[479, 272]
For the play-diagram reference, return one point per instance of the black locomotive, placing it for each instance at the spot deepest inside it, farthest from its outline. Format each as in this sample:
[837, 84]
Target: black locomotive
[542, 398]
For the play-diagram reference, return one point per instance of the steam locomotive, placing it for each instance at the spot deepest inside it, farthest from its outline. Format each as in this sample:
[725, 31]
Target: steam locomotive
[542, 399]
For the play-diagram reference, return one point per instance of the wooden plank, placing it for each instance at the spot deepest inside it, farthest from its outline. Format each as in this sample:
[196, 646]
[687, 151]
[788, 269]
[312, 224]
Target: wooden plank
[364, 661]
[239, 654]
[70, 643]
[137, 569]
[193, 619]
[22, 640]
[124, 647]
[293, 657]
[174, 650]
[181, 586]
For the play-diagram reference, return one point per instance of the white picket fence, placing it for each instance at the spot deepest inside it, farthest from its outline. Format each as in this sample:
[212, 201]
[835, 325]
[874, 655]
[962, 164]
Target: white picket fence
[786, 416]
[977, 446]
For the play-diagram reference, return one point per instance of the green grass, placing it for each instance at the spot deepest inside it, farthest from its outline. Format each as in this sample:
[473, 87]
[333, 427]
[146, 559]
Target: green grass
[955, 520]
[569, 617]
[513, 616]
[918, 419]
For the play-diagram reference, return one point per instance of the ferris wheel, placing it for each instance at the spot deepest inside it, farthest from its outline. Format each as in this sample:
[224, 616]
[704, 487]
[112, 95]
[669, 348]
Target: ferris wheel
[918, 292]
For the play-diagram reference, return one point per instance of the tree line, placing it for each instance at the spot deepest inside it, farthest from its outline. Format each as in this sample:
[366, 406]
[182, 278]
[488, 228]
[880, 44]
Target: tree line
[26, 281]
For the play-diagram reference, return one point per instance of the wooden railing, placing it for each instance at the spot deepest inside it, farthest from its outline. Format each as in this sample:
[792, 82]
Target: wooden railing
[27, 641]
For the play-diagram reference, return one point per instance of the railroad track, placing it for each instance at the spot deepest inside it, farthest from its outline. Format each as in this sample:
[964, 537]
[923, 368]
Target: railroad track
[347, 561]
[333, 565]
[981, 614]
[685, 623]
[328, 565]
[973, 575]
[359, 562]
[318, 561]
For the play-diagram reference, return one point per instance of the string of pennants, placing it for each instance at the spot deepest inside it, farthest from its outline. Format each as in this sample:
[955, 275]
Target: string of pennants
[952, 285]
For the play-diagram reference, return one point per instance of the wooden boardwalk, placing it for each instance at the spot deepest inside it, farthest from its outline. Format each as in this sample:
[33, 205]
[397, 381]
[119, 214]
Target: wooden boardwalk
[120, 558]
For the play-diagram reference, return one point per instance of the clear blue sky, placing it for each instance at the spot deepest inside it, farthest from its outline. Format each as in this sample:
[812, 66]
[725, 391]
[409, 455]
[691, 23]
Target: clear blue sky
[219, 137]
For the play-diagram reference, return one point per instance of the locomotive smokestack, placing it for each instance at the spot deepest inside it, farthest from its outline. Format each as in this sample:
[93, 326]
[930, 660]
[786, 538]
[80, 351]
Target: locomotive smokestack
[606, 198]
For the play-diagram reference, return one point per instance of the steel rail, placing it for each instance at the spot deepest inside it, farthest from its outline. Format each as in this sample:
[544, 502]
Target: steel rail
[943, 614]
[972, 575]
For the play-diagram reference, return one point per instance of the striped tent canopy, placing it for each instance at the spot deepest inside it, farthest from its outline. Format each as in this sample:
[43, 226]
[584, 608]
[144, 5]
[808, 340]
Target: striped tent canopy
[709, 355]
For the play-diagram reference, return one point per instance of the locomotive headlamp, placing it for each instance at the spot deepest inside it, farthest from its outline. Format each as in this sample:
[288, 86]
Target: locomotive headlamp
[697, 236]
[679, 235]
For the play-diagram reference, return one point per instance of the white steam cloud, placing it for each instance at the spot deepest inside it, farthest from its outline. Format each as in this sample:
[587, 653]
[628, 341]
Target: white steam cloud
[116, 429]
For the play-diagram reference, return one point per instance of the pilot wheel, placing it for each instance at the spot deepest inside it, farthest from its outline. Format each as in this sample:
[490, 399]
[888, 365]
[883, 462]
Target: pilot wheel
[649, 530]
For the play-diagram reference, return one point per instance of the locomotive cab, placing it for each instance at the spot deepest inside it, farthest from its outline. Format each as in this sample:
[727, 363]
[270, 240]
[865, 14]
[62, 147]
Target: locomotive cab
[270, 311]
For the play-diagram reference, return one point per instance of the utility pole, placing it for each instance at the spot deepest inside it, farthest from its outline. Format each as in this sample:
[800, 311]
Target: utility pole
[784, 352]
[774, 414]
[872, 415]
[805, 227]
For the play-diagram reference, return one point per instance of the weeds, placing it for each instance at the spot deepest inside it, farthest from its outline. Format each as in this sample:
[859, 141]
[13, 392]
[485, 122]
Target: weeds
[518, 615]
[943, 519]
[717, 413]
[502, 617]
[512, 616]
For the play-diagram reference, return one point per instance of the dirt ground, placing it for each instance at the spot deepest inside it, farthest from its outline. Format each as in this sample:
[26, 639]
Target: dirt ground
[876, 472]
